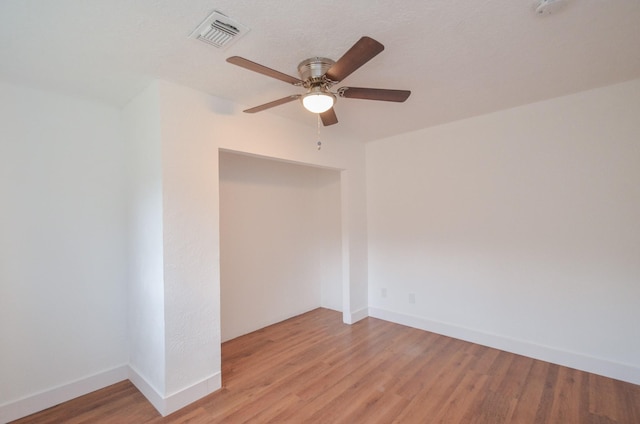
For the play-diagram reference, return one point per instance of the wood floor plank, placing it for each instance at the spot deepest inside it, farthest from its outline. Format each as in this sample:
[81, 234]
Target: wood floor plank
[628, 405]
[434, 395]
[410, 385]
[547, 397]
[315, 369]
[377, 408]
[490, 408]
[530, 398]
[566, 402]
[465, 394]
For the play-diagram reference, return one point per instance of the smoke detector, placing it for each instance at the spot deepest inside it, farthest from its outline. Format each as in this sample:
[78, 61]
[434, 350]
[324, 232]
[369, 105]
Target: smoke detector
[219, 30]
[547, 7]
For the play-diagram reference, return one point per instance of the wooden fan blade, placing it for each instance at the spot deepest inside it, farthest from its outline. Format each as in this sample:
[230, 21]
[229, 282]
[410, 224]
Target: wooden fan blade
[256, 67]
[374, 94]
[273, 104]
[329, 117]
[360, 53]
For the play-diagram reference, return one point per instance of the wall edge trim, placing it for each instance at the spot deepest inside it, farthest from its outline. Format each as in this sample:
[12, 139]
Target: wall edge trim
[355, 316]
[148, 391]
[579, 361]
[197, 391]
[51, 397]
[166, 405]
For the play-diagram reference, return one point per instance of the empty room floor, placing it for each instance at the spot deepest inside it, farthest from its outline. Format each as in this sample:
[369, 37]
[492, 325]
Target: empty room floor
[314, 369]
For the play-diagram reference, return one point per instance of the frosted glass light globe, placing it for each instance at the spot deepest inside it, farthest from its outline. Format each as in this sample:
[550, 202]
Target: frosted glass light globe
[318, 101]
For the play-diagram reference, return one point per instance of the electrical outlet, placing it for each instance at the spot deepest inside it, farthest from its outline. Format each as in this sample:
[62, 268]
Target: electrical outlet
[412, 298]
[383, 292]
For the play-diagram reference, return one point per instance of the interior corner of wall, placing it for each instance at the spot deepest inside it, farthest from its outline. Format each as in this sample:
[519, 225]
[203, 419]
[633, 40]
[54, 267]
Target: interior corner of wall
[148, 391]
[355, 316]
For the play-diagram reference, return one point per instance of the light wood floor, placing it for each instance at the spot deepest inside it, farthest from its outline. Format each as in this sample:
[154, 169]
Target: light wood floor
[315, 369]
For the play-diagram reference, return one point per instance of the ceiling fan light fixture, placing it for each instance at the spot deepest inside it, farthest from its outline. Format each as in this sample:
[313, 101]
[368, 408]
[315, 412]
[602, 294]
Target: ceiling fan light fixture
[318, 100]
[319, 74]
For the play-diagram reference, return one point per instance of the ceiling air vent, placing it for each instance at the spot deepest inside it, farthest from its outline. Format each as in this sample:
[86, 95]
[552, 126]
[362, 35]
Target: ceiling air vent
[219, 30]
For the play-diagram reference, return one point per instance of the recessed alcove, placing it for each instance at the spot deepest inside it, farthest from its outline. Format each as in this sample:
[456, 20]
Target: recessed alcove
[280, 241]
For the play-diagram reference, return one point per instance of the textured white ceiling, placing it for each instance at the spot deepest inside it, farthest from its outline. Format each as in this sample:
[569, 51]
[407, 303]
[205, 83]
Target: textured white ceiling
[460, 58]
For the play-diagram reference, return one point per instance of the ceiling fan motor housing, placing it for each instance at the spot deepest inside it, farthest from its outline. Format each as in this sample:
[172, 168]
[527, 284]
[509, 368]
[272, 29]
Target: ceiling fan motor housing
[312, 70]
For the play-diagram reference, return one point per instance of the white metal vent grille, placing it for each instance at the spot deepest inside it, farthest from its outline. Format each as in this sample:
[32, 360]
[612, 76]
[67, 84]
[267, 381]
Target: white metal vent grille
[219, 30]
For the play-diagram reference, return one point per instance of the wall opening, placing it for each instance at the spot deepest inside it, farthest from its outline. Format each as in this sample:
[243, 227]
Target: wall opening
[280, 241]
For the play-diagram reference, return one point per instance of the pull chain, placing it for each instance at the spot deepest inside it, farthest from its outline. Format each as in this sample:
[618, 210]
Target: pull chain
[319, 142]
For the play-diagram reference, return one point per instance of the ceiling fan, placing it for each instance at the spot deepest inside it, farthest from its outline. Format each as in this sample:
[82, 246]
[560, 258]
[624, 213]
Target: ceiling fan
[319, 74]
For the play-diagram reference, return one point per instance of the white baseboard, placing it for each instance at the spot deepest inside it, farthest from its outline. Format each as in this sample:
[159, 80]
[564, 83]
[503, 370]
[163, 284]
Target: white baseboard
[575, 360]
[48, 398]
[165, 405]
[147, 389]
[179, 399]
[184, 397]
[353, 317]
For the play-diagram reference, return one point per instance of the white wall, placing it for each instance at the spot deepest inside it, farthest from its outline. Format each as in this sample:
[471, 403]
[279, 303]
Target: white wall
[279, 241]
[145, 295]
[329, 240]
[518, 229]
[62, 245]
[190, 230]
[194, 126]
